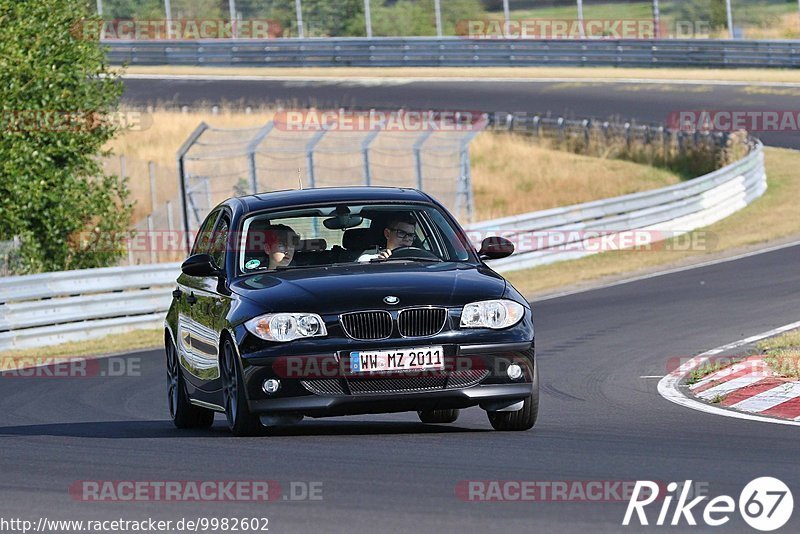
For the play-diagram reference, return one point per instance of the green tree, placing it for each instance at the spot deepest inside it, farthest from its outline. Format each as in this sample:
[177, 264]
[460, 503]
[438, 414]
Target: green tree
[712, 11]
[57, 100]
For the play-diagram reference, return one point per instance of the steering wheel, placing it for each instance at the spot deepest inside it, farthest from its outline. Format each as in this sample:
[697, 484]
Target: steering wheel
[404, 252]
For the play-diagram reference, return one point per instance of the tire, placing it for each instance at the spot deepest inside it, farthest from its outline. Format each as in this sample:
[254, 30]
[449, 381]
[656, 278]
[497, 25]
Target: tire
[183, 413]
[240, 421]
[438, 416]
[523, 419]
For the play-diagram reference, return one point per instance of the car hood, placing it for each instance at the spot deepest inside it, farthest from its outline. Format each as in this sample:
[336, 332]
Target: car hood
[339, 289]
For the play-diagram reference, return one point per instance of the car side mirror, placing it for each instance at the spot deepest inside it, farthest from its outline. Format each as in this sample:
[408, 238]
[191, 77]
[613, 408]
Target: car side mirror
[201, 265]
[494, 248]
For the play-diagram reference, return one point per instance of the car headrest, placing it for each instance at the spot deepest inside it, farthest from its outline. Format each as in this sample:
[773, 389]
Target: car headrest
[312, 245]
[362, 238]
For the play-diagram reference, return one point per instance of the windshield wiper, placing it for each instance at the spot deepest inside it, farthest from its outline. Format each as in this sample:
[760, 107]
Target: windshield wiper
[293, 267]
[406, 258]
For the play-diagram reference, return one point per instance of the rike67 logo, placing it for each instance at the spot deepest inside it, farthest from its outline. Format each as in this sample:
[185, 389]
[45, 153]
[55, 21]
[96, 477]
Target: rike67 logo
[765, 504]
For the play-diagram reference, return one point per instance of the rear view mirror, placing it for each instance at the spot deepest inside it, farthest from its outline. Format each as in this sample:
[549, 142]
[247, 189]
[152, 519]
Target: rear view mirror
[494, 248]
[201, 265]
[342, 220]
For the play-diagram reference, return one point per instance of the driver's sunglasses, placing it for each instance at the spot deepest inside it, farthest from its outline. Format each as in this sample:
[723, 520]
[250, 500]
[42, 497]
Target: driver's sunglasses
[401, 234]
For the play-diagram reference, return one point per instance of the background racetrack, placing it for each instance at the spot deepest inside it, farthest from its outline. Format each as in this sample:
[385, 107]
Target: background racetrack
[645, 102]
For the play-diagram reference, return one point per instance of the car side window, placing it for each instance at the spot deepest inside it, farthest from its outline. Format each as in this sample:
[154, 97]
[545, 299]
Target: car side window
[219, 241]
[202, 241]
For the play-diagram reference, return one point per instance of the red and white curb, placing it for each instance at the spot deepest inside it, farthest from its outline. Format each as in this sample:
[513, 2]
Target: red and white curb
[748, 389]
[751, 386]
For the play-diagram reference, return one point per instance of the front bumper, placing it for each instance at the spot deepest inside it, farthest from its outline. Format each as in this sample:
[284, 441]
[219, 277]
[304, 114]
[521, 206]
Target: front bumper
[347, 394]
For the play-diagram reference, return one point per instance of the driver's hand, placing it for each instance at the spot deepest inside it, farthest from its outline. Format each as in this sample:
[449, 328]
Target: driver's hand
[384, 254]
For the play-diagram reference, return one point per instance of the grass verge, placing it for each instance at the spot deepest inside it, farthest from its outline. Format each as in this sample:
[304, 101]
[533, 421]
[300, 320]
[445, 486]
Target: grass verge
[783, 353]
[771, 217]
[577, 73]
[710, 367]
[92, 348]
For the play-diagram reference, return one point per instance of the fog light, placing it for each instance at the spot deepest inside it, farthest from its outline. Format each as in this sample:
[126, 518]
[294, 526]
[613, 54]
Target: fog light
[514, 371]
[271, 386]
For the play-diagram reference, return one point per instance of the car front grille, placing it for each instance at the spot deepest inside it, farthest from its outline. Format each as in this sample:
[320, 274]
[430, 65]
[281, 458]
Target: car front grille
[417, 322]
[465, 379]
[367, 325]
[365, 386]
[323, 386]
[395, 384]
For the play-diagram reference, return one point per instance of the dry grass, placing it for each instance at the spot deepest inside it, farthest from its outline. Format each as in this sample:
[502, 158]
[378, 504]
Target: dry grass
[784, 26]
[783, 353]
[771, 217]
[580, 73]
[511, 175]
[104, 346]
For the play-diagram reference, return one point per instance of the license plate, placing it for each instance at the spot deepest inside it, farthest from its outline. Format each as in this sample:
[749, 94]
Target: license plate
[368, 361]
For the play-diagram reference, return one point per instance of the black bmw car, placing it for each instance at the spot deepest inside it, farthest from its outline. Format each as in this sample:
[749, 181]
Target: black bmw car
[342, 301]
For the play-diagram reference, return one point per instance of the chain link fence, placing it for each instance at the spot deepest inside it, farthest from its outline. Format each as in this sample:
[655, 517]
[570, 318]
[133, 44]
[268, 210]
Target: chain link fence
[215, 164]
[428, 152]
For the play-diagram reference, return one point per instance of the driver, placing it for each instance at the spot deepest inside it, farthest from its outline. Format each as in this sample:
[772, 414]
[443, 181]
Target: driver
[400, 231]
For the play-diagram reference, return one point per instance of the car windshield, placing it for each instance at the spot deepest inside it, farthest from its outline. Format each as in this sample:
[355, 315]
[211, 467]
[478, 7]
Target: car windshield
[346, 234]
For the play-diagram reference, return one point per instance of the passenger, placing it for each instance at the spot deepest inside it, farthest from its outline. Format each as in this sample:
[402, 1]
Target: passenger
[280, 242]
[274, 243]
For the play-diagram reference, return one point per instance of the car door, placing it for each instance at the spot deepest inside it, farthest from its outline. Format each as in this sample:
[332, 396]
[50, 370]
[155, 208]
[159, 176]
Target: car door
[188, 287]
[211, 306]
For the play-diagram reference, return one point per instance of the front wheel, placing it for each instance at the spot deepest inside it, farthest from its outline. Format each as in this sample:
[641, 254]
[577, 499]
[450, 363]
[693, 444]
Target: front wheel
[240, 421]
[183, 413]
[522, 419]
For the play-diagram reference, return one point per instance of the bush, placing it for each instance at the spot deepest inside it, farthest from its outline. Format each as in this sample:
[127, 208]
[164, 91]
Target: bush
[55, 121]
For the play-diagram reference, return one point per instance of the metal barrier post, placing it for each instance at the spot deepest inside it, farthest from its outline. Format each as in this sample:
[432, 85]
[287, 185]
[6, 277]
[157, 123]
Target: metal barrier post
[368, 19]
[298, 8]
[151, 171]
[168, 13]
[153, 257]
[232, 11]
[316, 138]
[418, 156]
[437, 8]
[251, 154]
[365, 154]
[190, 141]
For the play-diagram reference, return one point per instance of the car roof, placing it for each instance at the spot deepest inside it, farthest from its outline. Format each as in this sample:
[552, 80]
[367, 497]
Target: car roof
[323, 195]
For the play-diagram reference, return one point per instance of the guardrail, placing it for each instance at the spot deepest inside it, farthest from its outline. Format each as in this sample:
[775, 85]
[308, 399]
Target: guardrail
[45, 309]
[49, 308]
[458, 52]
[667, 212]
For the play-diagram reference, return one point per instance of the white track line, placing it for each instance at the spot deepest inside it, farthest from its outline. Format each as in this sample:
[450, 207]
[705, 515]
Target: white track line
[391, 80]
[668, 387]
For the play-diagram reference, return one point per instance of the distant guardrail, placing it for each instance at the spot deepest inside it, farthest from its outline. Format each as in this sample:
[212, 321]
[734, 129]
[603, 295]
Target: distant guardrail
[667, 212]
[458, 52]
[49, 308]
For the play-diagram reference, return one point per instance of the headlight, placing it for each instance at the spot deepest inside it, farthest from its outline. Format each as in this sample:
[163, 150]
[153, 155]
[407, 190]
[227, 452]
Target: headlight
[286, 326]
[494, 314]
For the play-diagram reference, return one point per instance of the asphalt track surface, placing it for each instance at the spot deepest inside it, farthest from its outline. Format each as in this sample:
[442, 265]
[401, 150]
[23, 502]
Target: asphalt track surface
[599, 421]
